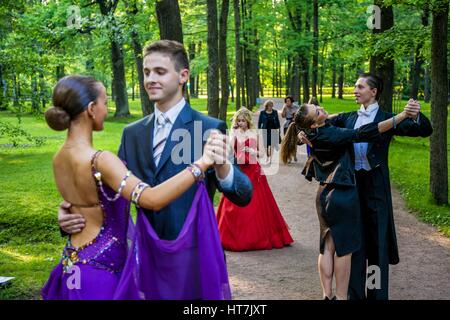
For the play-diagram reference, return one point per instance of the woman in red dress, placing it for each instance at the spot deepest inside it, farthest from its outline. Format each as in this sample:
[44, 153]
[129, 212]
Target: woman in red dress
[259, 225]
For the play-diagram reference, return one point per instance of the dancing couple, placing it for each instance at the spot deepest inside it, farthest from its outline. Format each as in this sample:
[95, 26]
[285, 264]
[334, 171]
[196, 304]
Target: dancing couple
[175, 250]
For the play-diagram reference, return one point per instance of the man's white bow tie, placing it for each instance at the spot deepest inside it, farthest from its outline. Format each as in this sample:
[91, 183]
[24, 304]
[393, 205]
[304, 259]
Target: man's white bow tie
[364, 113]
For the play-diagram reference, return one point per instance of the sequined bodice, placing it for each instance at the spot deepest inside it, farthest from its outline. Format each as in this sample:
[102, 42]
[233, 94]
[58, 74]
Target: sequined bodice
[109, 248]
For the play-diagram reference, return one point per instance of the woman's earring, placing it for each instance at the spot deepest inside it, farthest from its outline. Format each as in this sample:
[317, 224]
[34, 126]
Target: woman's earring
[93, 117]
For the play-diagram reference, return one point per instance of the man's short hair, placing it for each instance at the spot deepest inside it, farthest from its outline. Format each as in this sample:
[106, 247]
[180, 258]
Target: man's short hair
[173, 49]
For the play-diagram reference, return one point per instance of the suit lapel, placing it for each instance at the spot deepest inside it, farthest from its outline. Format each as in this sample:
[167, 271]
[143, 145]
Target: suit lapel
[147, 141]
[351, 120]
[378, 117]
[182, 120]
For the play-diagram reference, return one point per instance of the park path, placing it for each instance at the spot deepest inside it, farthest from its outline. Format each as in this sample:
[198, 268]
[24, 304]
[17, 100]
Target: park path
[291, 272]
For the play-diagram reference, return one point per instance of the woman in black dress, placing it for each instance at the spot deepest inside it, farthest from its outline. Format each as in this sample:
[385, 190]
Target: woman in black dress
[337, 203]
[269, 121]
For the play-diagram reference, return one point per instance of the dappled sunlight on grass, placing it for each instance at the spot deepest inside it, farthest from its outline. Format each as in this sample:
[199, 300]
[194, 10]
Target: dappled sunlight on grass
[12, 254]
[30, 265]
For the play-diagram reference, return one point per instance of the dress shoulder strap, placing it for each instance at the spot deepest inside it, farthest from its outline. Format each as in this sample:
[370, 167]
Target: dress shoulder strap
[94, 161]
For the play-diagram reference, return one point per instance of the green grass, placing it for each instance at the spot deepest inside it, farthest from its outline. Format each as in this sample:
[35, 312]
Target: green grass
[30, 243]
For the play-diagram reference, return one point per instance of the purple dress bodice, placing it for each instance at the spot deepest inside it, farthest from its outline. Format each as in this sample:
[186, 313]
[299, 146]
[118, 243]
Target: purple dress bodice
[109, 248]
[93, 270]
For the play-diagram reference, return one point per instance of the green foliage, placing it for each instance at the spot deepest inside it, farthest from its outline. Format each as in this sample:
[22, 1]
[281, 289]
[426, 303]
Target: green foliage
[16, 134]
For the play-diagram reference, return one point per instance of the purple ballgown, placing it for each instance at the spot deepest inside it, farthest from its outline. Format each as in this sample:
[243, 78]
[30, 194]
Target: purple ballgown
[191, 267]
[93, 271]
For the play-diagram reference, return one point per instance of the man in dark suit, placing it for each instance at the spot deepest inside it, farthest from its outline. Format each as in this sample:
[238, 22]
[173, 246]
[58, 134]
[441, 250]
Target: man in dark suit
[379, 247]
[164, 143]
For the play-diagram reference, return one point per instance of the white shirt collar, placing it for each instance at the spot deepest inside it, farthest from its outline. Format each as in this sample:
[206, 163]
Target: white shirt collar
[371, 108]
[173, 112]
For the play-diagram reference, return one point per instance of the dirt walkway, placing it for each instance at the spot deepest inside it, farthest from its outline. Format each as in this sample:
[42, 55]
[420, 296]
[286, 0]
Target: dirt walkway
[291, 272]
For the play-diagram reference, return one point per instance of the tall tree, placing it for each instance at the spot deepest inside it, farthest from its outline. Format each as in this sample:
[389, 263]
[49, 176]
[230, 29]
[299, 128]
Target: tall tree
[213, 60]
[147, 106]
[305, 54]
[223, 64]
[333, 80]
[417, 60]
[341, 82]
[439, 102]
[250, 53]
[169, 20]
[298, 59]
[238, 53]
[382, 63]
[315, 61]
[107, 8]
[2, 90]
[192, 82]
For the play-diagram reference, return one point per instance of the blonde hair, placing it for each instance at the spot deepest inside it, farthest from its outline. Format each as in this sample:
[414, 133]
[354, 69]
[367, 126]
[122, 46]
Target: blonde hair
[266, 103]
[244, 113]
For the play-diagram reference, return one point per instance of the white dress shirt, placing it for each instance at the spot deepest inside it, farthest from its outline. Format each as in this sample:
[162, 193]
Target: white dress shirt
[172, 115]
[365, 116]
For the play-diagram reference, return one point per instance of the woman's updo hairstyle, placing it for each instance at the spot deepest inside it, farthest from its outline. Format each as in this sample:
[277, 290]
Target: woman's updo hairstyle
[71, 96]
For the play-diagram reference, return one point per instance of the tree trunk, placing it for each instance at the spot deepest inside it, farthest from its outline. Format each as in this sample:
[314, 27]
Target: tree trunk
[132, 84]
[119, 87]
[34, 94]
[426, 85]
[296, 79]
[231, 90]
[192, 76]
[333, 81]
[197, 84]
[223, 64]
[305, 76]
[169, 20]
[382, 65]
[147, 106]
[119, 84]
[341, 82]
[15, 93]
[439, 102]
[315, 61]
[274, 84]
[305, 55]
[213, 60]
[42, 91]
[426, 75]
[59, 71]
[418, 62]
[414, 74]
[250, 56]
[3, 98]
[238, 52]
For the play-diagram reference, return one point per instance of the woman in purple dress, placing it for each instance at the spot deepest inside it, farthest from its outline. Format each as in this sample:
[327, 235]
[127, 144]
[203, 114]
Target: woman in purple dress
[99, 186]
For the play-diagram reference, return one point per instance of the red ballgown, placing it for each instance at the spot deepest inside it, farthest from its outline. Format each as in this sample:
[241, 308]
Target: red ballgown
[259, 225]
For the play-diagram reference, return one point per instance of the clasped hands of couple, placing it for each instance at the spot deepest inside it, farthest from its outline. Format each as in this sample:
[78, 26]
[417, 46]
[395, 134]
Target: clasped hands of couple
[411, 110]
[215, 154]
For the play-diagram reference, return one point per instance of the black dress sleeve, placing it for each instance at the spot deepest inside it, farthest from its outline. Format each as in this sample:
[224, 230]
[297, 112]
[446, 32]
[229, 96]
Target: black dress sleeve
[342, 136]
[411, 128]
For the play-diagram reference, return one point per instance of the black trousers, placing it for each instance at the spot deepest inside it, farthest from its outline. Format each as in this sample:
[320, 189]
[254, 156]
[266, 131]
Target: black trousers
[373, 258]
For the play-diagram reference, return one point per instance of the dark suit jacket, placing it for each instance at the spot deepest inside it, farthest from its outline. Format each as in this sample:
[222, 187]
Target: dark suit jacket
[136, 150]
[377, 155]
